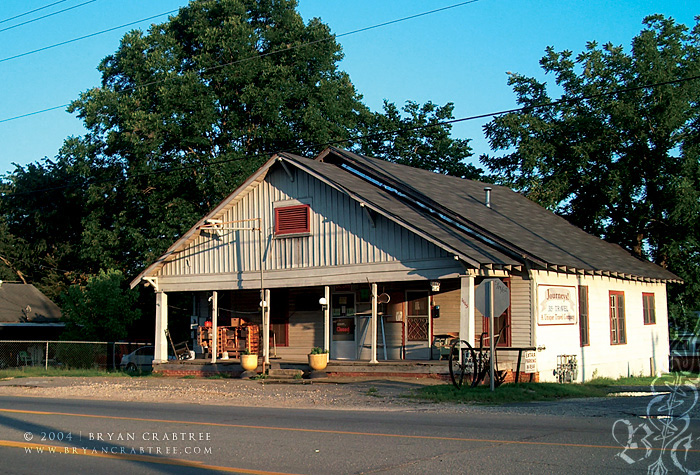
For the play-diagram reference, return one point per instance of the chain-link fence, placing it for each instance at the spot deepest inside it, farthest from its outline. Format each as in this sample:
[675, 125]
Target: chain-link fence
[64, 354]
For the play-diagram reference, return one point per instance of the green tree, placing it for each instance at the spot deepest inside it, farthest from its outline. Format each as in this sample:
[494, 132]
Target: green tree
[41, 223]
[101, 309]
[617, 153]
[184, 113]
[417, 136]
[187, 111]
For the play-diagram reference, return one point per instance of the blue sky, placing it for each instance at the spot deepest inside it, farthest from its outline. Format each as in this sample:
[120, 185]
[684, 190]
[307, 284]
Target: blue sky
[460, 55]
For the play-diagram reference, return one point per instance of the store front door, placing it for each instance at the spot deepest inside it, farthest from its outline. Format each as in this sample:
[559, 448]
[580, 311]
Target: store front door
[343, 334]
[417, 325]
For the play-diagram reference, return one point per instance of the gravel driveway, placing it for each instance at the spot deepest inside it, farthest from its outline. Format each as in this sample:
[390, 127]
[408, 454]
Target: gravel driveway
[336, 393]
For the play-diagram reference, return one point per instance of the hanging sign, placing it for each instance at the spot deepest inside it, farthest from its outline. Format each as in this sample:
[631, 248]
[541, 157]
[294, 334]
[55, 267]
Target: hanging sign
[557, 305]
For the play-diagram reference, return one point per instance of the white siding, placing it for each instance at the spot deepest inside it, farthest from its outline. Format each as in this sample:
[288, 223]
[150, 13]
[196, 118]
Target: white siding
[647, 345]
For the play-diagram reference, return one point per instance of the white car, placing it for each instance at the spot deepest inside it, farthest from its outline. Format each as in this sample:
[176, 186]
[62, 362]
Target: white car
[139, 360]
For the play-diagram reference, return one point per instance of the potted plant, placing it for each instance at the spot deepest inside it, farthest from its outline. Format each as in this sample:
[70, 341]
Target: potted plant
[249, 362]
[318, 359]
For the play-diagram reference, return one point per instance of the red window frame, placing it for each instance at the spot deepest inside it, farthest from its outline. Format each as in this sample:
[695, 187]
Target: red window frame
[506, 316]
[649, 308]
[583, 313]
[292, 220]
[618, 331]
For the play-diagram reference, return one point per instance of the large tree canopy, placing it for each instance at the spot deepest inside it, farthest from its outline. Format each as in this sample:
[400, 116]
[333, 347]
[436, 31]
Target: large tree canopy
[185, 112]
[617, 153]
[417, 136]
[190, 109]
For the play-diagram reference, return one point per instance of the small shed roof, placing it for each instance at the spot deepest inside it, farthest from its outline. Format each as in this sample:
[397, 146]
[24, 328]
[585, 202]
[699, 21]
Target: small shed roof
[23, 303]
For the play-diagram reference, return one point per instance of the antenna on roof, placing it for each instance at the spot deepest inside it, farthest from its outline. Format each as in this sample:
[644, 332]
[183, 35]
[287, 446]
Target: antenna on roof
[487, 197]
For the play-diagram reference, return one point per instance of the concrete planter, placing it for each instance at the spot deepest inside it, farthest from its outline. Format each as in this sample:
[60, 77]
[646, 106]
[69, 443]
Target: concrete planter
[249, 362]
[318, 362]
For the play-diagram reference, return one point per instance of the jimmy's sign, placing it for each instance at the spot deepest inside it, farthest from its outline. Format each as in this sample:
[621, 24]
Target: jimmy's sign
[557, 305]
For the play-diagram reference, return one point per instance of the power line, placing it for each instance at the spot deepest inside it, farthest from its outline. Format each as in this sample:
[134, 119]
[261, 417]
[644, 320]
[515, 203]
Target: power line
[82, 38]
[411, 17]
[250, 58]
[29, 114]
[360, 137]
[47, 16]
[32, 11]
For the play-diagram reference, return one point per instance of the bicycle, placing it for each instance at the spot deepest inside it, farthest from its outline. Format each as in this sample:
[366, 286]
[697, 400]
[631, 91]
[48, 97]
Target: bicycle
[474, 364]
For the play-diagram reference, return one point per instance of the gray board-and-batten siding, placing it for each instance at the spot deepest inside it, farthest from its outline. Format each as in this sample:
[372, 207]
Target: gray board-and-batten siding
[343, 245]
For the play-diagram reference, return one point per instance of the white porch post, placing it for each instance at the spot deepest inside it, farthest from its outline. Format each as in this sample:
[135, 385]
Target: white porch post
[373, 356]
[466, 309]
[214, 325]
[266, 327]
[161, 342]
[327, 319]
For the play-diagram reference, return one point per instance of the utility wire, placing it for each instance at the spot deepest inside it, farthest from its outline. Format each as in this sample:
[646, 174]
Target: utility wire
[46, 16]
[32, 11]
[82, 38]
[356, 138]
[399, 20]
[250, 58]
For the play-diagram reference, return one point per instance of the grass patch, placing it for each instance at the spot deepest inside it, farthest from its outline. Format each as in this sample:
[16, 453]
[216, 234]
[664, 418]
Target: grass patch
[218, 376]
[509, 393]
[374, 392]
[637, 380]
[27, 372]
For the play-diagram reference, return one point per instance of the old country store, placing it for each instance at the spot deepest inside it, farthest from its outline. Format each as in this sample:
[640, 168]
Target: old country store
[373, 261]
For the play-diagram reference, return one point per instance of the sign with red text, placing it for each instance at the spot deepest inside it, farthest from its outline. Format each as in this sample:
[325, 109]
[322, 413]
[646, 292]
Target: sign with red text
[557, 305]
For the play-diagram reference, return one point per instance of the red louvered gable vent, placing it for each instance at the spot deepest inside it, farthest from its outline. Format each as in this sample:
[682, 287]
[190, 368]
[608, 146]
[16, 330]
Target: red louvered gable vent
[292, 219]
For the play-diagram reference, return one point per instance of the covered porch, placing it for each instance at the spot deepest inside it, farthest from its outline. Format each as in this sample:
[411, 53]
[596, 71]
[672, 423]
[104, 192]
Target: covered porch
[396, 328]
[369, 324]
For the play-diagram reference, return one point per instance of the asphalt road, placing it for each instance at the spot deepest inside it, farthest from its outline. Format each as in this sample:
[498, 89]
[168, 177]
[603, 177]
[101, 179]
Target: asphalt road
[67, 436]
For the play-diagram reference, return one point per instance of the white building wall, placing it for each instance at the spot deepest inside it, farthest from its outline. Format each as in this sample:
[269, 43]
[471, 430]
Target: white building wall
[645, 351]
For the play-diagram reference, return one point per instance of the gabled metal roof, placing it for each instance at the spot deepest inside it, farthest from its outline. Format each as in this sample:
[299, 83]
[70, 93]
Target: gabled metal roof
[450, 213]
[425, 223]
[513, 221]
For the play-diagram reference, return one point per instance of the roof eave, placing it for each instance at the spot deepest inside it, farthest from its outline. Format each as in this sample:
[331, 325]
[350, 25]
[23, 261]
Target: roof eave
[151, 270]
